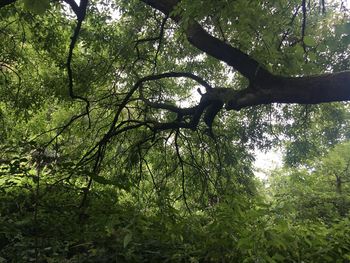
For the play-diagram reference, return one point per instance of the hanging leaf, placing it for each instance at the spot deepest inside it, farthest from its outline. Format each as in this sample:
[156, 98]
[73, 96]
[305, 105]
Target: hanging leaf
[298, 51]
[127, 239]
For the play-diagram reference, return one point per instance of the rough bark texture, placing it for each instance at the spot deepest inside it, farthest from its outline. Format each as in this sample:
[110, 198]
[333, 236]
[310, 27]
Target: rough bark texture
[303, 90]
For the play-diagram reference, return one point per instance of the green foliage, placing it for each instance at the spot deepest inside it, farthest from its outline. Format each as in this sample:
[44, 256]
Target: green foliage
[171, 196]
[36, 6]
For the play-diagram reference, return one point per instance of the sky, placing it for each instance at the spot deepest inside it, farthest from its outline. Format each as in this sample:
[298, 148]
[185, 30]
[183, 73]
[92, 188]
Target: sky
[267, 161]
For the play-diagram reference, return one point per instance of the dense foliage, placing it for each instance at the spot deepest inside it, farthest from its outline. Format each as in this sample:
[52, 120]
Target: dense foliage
[111, 151]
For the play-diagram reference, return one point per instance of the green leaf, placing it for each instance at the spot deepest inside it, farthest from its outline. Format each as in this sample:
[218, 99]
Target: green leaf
[299, 51]
[127, 239]
[36, 6]
[100, 179]
[244, 243]
[309, 41]
[312, 56]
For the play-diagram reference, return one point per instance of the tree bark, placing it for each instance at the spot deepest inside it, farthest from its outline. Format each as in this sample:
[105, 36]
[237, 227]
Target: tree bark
[302, 90]
[265, 87]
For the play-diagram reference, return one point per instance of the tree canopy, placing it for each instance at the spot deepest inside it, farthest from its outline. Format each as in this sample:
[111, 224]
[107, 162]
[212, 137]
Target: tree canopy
[136, 65]
[116, 115]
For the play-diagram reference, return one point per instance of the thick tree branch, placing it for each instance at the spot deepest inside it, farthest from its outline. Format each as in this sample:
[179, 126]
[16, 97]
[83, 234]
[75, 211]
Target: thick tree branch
[71, 3]
[303, 90]
[264, 88]
[74, 6]
[80, 12]
[213, 46]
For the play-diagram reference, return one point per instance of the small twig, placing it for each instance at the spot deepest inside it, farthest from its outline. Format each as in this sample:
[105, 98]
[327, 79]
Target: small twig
[115, 129]
[303, 25]
[260, 37]
[161, 34]
[36, 207]
[323, 5]
[96, 169]
[221, 31]
[182, 171]
[62, 129]
[285, 34]
[150, 78]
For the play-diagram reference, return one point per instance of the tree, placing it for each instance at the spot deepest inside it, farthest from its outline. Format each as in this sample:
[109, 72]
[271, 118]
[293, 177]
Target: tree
[336, 168]
[263, 87]
[106, 76]
[319, 190]
[116, 141]
[117, 70]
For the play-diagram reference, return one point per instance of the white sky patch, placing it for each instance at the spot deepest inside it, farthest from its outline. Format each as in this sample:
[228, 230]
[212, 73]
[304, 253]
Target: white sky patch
[267, 161]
